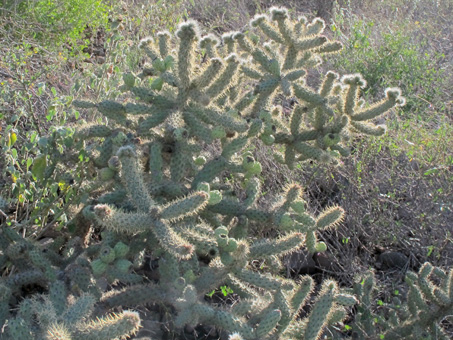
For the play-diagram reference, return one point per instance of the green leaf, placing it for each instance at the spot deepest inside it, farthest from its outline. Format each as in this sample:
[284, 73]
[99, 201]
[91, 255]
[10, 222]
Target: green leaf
[29, 163]
[226, 290]
[33, 136]
[431, 171]
[41, 88]
[39, 166]
[12, 139]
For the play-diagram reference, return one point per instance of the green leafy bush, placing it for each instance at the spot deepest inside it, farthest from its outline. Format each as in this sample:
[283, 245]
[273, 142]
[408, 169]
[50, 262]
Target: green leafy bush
[391, 57]
[61, 22]
[30, 110]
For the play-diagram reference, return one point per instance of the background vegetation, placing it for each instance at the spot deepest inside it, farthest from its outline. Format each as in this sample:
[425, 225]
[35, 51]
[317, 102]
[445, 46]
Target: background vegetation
[397, 189]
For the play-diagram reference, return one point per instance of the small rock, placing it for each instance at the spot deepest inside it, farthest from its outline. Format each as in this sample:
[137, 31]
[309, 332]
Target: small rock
[393, 260]
[414, 165]
[404, 213]
[189, 329]
[210, 331]
[300, 262]
[325, 261]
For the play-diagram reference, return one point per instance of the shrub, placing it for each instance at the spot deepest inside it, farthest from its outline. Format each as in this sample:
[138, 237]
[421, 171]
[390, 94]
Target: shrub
[61, 22]
[399, 55]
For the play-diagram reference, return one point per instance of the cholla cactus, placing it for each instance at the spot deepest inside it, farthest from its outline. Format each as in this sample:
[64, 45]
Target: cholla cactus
[428, 302]
[155, 183]
[58, 319]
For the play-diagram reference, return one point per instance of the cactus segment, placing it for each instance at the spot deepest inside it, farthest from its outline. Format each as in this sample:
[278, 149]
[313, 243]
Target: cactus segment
[117, 220]
[282, 246]
[112, 326]
[268, 323]
[92, 131]
[301, 294]
[171, 241]
[186, 206]
[133, 179]
[188, 35]
[330, 218]
[393, 98]
[321, 310]
[226, 79]
[209, 73]
[258, 279]
[154, 120]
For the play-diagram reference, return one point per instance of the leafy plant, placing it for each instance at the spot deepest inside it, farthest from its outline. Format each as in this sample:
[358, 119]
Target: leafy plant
[390, 58]
[63, 22]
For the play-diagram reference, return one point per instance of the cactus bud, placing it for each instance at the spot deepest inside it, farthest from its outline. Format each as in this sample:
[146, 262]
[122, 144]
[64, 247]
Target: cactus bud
[159, 65]
[221, 231]
[114, 163]
[215, 197]
[99, 267]
[157, 84]
[286, 221]
[298, 206]
[255, 169]
[203, 186]
[129, 79]
[218, 132]
[169, 62]
[201, 160]
[121, 250]
[107, 255]
[267, 139]
[106, 174]
[123, 266]
[321, 247]
[231, 245]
